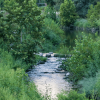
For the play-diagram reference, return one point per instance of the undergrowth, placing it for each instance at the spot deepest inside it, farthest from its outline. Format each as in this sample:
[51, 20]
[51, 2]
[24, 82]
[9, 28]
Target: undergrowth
[14, 83]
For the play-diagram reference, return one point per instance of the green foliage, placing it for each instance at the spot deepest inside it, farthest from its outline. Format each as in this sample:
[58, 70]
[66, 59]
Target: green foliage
[57, 4]
[14, 84]
[23, 32]
[39, 58]
[1, 4]
[85, 58]
[53, 26]
[82, 6]
[50, 2]
[91, 86]
[63, 49]
[73, 95]
[68, 13]
[7, 59]
[50, 13]
[93, 14]
[53, 35]
[82, 23]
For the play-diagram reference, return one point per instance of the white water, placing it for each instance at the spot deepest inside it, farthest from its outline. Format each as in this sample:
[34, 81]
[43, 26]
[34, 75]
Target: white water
[48, 82]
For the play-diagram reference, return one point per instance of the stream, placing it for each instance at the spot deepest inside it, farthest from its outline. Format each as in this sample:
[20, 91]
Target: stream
[48, 79]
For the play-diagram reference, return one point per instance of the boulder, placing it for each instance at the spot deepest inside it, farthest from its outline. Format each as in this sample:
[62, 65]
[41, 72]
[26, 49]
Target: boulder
[59, 69]
[56, 55]
[48, 55]
[41, 62]
[67, 74]
[41, 54]
[59, 55]
[50, 52]
[62, 71]
[68, 55]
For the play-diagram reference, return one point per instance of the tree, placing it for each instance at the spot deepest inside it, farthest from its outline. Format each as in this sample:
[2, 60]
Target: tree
[82, 6]
[93, 14]
[68, 13]
[49, 12]
[1, 4]
[57, 4]
[25, 22]
[50, 2]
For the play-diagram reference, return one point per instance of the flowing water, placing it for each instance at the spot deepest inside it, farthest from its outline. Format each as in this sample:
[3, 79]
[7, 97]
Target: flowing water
[48, 79]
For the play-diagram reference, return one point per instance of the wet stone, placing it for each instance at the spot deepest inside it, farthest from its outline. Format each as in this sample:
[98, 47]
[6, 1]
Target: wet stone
[48, 55]
[50, 52]
[59, 69]
[41, 62]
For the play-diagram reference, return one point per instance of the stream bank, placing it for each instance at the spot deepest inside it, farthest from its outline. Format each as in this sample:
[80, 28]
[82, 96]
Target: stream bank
[49, 78]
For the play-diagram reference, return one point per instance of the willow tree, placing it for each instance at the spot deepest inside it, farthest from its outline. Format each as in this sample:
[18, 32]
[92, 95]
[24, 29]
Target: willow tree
[25, 22]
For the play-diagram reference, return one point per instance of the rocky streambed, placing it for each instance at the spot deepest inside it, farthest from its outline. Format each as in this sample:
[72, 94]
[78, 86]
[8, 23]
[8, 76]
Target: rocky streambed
[49, 78]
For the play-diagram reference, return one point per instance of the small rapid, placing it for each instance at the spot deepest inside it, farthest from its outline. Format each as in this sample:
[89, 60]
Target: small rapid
[48, 79]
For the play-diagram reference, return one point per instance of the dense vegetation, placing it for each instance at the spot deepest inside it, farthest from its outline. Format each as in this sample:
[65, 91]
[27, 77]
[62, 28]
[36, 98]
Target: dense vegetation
[26, 29]
[14, 84]
[23, 33]
[68, 13]
[91, 19]
[84, 65]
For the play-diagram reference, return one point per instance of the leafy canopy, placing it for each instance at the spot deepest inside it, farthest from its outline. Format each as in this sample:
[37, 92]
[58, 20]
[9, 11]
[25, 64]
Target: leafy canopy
[24, 23]
[94, 14]
[68, 13]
